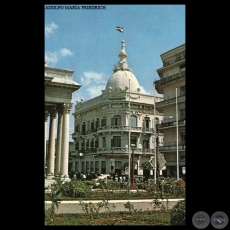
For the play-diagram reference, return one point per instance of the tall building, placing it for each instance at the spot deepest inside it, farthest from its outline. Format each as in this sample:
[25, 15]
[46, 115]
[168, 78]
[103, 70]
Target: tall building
[172, 86]
[108, 125]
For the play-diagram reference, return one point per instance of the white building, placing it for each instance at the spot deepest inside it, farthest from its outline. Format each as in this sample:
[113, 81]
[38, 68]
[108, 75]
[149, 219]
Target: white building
[172, 86]
[102, 129]
[59, 86]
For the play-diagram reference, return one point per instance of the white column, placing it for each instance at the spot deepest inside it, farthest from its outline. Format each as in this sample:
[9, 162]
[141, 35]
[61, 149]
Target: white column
[51, 157]
[45, 123]
[59, 141]
[65, 140]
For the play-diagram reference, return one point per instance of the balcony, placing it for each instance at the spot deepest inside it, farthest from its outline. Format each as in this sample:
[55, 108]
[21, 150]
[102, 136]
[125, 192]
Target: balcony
[166, 79]
[119, 128]
[121, 150]
[171, 124]
[172, 146]
[167, 101]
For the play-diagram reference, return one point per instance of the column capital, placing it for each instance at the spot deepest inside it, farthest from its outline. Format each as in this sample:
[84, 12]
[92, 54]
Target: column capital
[53, 112]
[60, 109]
[46, 115]
[67, 108]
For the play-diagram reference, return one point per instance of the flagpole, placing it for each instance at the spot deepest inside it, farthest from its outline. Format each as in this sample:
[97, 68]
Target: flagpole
[129, 138]
[177, 154]
[154, 130]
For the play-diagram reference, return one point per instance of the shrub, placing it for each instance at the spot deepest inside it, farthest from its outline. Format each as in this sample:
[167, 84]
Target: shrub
[177, 213]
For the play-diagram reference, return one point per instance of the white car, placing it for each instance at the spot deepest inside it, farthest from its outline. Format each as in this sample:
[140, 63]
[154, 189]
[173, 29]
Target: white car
[103, 176]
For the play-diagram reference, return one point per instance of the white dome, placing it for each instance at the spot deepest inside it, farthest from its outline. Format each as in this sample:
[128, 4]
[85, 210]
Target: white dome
[122, 74]
[120, 79]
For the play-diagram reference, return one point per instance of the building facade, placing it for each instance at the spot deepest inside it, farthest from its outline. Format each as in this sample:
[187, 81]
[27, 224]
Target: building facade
[108, 125]
[59, 87]
[172, 86]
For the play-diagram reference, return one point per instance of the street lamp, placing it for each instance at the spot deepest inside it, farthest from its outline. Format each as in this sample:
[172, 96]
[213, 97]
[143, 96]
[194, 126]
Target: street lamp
[177, 153]
[132, 147]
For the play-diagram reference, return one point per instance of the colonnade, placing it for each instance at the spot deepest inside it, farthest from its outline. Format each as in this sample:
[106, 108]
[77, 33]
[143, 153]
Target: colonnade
[56, 160]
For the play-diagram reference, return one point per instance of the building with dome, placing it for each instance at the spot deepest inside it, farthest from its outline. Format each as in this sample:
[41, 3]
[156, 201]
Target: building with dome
[111, 128]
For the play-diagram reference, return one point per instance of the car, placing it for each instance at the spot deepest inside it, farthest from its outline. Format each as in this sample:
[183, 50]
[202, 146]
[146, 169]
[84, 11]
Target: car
[102, 177]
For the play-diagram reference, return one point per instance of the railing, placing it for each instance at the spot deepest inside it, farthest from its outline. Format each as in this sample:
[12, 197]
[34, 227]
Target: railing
[172, 143]
[126, 128]
[117, 150]
[171, 123]
[170, 100]
[170, 78]
[119, 128]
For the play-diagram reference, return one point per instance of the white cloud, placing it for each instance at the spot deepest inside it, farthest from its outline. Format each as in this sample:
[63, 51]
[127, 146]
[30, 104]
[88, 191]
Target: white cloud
[93, 78]
[65, 52]
[51, 59]
[50, 29]
[95, 91]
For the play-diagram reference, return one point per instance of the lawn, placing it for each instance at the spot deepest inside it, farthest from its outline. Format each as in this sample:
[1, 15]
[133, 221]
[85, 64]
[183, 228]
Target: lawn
[145, 218]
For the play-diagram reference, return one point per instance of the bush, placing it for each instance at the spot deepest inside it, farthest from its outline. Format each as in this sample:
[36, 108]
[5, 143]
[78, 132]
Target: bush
[177, 213]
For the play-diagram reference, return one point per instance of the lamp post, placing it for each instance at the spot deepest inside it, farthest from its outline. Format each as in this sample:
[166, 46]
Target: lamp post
[177, 153]
[132, 147]
[129, 138]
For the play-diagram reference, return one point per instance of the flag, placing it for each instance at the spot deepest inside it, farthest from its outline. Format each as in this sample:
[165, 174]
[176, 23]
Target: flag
[161, 161]
[120, 29]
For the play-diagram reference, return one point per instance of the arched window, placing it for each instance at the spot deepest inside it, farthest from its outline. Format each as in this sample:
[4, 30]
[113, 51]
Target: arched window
[77, 128]
[116, 120]
[133, 121]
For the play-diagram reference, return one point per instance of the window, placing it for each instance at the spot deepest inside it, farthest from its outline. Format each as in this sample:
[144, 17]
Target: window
[183, 138]
[133, 140]
[116, 141]
[83, 145]
[146, 122]
[77, 145]
[97, 143]
[116, 120]
[182, 114]
[91, 166]
[92, 125]
[96, 166]
[83, 128]
[87, 166]
[77, 128]
[92, 144]
[103, 142]
[133, 121]
[103, 167]
[145, 144]
[117, 164]
[103, 121]
[182, 90]
[97, 123]
[88, 125]
[87, 144]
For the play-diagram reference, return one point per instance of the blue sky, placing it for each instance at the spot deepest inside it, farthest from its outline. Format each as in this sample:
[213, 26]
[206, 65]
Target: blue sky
[87, 42]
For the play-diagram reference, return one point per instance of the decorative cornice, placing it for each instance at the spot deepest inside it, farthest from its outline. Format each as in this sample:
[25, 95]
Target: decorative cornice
[58, 92]
[58, 75]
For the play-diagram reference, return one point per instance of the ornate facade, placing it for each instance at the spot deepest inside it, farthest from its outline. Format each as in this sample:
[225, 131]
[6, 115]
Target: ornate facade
[59, 87]
[172, 86]
[108, 125]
